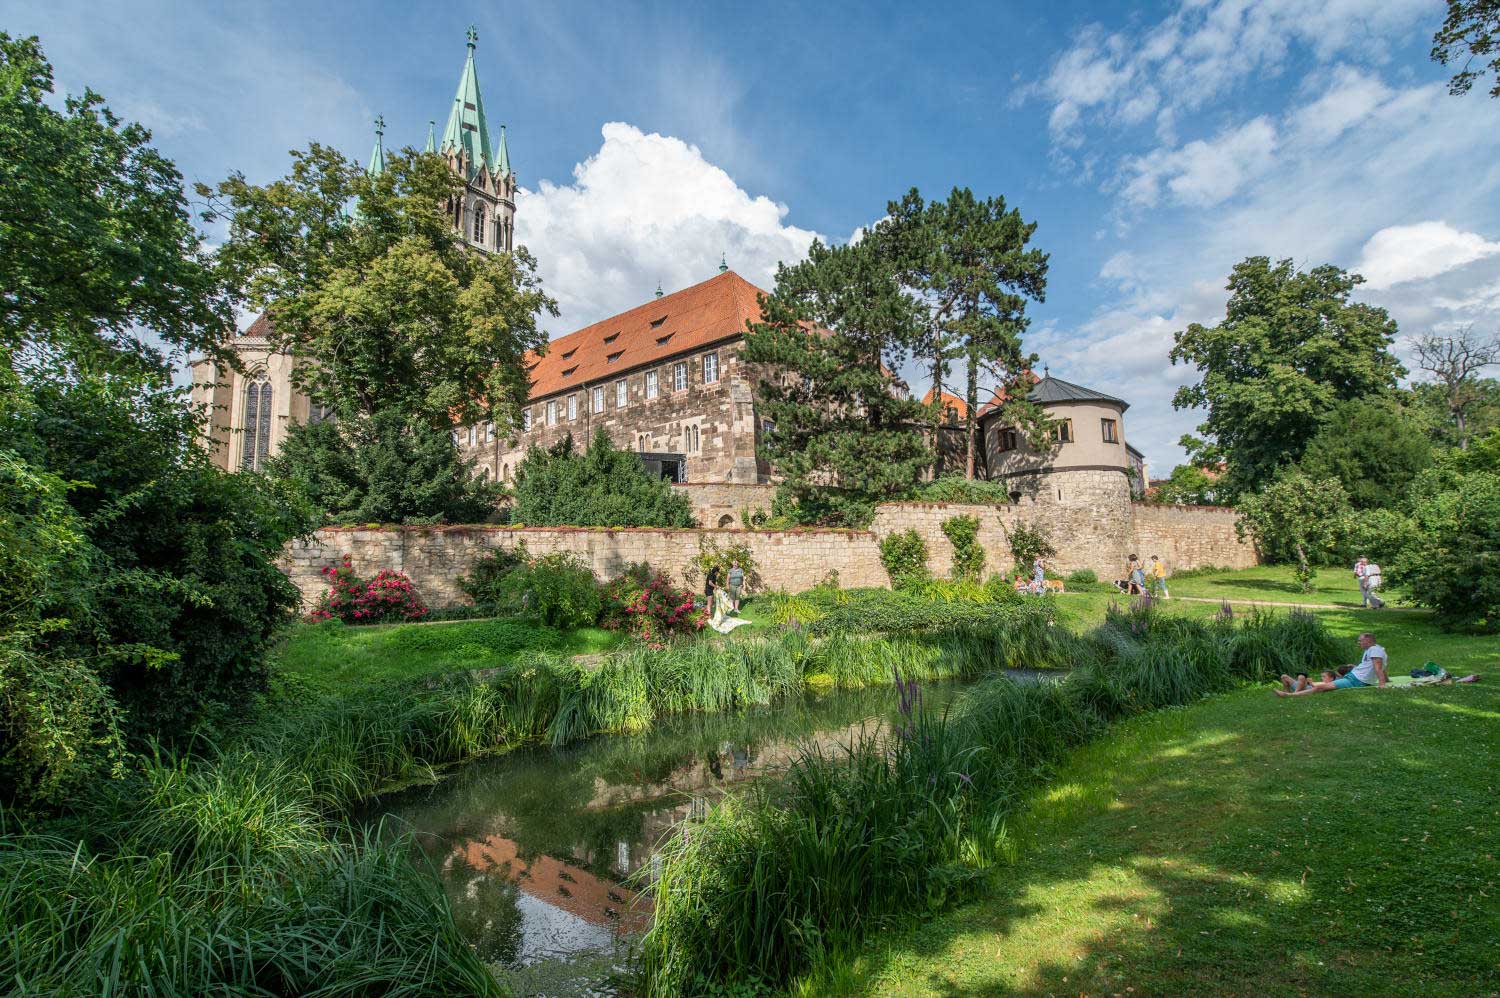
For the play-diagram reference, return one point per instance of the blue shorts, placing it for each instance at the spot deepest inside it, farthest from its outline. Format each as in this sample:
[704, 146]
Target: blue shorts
[1348, 682]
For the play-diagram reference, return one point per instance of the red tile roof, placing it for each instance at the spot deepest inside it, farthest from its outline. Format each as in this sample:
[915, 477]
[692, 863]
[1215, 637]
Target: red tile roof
[686, 320]
[950, 401]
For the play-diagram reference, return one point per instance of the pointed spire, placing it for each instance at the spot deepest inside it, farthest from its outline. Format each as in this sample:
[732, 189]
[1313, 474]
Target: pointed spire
[467, 131]
[658, 289]
[431, 143]
[376, 166]
[502, 155]
[723, 266]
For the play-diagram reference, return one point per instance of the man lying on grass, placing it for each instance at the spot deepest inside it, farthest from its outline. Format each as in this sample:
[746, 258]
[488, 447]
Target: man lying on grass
[1369, 672]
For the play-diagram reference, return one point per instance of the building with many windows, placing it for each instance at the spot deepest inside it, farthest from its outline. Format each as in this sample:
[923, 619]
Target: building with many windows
[665, 379]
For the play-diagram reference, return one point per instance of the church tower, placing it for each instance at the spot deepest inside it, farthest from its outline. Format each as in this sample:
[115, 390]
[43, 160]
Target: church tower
[485, 215]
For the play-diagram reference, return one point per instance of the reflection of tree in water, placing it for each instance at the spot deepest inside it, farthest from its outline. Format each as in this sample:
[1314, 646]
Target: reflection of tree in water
[485, 909]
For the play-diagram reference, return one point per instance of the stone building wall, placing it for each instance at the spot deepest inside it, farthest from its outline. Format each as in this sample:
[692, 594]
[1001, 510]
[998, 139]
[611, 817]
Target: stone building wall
[714, 501]
[1189, 536]
[712, 424]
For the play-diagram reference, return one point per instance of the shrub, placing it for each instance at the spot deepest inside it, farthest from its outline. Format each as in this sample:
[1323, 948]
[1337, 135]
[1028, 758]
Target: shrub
[904, 555]
[645, 603]
[386, 598]
[1081, 577]
[961, 490]
[1029, 541]
[710, 556]
[1445, 547]
[602, 487]
[968, 556]
[753, 519]
[557, 589]
[482, 584]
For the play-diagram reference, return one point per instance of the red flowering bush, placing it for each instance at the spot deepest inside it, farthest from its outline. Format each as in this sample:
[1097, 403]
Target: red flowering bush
[647, 604]
[353, 600]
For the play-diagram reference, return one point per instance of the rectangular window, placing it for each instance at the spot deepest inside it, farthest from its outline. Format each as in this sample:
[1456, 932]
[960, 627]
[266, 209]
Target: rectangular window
[489, 432]
[473, 435]
[1007, 439]
[622, 394]
[526, 419]
[552, 413]
[1063, 431]
[596, 400]
[1111, 435]
[768, 427]
[572, 406]
[651, 384]
[679, 376]
[710, 368]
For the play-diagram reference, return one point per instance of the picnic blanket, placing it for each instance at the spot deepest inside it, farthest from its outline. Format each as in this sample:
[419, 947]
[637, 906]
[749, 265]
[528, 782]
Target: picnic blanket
[721, 621]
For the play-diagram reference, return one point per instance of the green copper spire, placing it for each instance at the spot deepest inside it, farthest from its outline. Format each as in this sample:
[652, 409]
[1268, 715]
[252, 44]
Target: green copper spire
[502, 155]
[723, 266]
[658, 289]
[431, 142]
[467, 131]
[376, 166]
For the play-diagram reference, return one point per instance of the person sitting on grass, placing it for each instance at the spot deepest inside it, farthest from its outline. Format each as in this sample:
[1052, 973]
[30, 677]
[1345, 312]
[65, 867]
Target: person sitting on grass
[1369, 672]
[1302, 682]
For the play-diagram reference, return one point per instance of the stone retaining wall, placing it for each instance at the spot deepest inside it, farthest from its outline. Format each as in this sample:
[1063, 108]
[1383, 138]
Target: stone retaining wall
[1097, 535]
[714, 501]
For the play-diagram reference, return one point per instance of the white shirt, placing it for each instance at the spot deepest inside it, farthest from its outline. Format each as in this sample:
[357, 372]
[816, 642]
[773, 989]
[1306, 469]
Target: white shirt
[1372, 575]
[1365, 670]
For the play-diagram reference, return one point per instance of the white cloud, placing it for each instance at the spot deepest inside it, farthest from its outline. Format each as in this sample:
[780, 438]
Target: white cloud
[1401, 253]
[648, 208]
[1203, 172]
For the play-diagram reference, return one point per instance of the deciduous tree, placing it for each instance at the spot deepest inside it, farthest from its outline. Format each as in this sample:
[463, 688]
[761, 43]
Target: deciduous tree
[1375, 449]
[1296, 518]
[1455, 362]
[1470, 31]
[1291, 347]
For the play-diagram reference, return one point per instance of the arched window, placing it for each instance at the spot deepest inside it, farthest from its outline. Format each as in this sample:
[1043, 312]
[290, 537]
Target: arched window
[479, 224]
[257, 437]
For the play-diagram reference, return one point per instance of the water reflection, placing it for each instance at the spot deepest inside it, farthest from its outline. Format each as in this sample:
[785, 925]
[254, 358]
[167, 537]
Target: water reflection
[541, 850]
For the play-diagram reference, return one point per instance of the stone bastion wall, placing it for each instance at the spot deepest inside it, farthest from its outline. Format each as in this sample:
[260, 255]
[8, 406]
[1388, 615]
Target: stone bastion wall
[1096, 532]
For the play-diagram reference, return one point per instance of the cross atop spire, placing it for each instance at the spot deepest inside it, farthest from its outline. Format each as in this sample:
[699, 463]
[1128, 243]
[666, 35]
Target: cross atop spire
[376, 166]
[468, 133]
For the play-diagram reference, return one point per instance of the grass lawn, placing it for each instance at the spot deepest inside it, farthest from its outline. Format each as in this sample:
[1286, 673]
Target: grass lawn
[1273, 584]
[1341, 843]
[337, 656]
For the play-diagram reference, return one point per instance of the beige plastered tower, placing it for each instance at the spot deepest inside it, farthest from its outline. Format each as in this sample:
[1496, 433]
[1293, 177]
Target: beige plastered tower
[248, 413]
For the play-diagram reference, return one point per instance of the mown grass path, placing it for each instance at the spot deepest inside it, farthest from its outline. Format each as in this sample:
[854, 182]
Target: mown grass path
[1341, 844]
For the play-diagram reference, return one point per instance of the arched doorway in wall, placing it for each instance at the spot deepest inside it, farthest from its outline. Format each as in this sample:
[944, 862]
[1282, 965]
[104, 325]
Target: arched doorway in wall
[726, 521]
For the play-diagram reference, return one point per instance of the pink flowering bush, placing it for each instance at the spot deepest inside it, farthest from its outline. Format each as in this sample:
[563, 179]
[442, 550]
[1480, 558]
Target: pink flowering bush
[387, 597]
[647, 604]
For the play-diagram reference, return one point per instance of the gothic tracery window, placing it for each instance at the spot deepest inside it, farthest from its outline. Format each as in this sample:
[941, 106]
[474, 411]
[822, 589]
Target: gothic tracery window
[257, 433]
[479, 224]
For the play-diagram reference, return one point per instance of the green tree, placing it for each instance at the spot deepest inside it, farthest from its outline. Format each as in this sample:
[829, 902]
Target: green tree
[405, 330]
[1292, 346]
[96, 243]
[1187, 485]
[602, 487]
[1375, 449]
[842, 433]
[1297, 518]
[1455, 361]
[967, 263]
[1470, 31]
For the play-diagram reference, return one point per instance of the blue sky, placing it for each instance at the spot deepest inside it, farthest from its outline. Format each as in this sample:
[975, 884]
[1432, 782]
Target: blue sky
[1155, 144]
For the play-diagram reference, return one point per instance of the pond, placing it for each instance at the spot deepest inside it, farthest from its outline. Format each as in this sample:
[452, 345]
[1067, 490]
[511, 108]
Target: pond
[541, 851]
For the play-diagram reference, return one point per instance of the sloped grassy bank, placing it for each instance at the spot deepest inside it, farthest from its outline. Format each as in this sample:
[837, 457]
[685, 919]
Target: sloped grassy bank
[790, 871]
[230, 870]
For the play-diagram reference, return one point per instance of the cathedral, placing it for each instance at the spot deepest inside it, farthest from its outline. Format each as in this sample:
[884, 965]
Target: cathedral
[666, 378]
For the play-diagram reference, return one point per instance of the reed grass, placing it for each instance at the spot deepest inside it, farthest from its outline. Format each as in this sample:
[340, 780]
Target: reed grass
[786, 873]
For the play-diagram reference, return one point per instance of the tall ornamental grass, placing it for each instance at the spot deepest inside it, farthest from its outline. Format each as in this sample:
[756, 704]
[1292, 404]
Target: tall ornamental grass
[845, 846]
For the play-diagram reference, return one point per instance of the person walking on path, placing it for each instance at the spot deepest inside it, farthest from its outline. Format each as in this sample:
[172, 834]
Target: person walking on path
[1159, 577]
[1371, 671]
[1039, 575]
[1359, 575]
[1136, 575]
[736, 584]
[1372, 583]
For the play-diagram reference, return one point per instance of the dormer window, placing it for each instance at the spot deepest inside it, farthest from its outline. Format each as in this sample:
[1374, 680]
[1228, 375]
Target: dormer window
[613, 357]
[662, 341]
[611, 337]
[658, 322]
[569, 372]
[569, 353]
